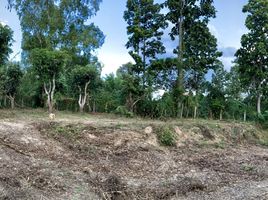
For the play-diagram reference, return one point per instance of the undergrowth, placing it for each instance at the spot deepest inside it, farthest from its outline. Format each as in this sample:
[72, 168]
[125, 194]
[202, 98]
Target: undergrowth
[166, 135]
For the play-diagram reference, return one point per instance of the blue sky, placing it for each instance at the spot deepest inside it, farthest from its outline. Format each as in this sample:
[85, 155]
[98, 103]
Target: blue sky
[228, 27]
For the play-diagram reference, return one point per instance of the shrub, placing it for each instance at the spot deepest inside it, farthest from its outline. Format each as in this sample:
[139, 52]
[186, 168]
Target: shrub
[262, 120]
[123, 111]
[166, 136]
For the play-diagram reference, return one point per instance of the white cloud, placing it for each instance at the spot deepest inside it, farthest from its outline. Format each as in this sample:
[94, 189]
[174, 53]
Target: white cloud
[3, 23]
[227, 62]
[112, 61]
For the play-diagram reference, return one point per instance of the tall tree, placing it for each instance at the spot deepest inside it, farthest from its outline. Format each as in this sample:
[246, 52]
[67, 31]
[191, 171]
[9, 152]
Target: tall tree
[217, 92]
[81, 78]
[252, 57]
[48, 65]
[145, 28]
[59, 24]
[196, 46]
[201, 55]
[6, 39]
[51, 26]
[12, 77]
[131, 88]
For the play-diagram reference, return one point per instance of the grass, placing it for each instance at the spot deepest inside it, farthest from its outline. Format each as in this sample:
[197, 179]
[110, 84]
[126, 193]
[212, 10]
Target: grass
[166, 135]
[248, 168]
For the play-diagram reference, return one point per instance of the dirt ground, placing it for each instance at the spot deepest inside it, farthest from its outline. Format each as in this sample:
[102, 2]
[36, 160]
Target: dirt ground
[106, 157]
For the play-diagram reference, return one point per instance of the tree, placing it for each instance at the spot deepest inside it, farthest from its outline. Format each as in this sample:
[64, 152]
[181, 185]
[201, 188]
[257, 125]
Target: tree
[144, 22]
[57, 26]
[252, 57]
[197, 47]
[131, 88]
[111, 95]
[81, 77]
[6, 39]
[235, 101]
[201, 55]
[47, 65]
[12, 77]
[217, 92]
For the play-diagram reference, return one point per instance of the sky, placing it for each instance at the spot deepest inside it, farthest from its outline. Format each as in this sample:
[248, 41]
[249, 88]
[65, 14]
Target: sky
[228, 28]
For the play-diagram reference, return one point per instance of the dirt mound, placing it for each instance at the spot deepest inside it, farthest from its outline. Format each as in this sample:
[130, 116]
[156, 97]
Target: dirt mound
[112, 160]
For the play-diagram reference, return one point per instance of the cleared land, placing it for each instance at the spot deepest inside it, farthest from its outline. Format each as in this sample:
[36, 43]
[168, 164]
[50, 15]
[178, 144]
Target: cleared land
[106, 157]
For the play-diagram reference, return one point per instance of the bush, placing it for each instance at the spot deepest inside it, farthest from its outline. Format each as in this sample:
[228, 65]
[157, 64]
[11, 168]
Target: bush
[166, 136]
[123, 111]
[262, 120]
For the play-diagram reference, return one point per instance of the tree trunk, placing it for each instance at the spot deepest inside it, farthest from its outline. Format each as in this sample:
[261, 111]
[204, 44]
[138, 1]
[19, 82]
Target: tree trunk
[245, 116]
[259, 104]
[50, 94]
[81, 109]
[94, 106]
[49, 103]
[182, 108]
[221, 114]
[5, 101]
[12, 101]
[195, 112]
[144, 64]
[130, 102]
[82, 97]
[22, 103]
[210, 115]
[134, 103]
[180, 55]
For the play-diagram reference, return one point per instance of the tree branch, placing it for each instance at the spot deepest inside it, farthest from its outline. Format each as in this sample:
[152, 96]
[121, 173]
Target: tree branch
[45, 89]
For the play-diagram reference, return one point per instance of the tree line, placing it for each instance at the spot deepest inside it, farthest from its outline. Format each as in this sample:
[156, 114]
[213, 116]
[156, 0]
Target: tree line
[58, 69]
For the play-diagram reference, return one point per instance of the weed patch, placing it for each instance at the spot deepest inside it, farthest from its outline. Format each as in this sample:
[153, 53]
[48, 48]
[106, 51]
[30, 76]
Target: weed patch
[166, 136]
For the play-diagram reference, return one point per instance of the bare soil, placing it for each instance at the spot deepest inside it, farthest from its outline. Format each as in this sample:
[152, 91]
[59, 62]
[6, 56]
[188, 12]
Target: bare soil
[106, 157]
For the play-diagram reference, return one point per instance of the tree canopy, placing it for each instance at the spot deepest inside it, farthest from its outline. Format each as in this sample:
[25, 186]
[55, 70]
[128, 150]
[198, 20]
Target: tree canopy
[6, 39]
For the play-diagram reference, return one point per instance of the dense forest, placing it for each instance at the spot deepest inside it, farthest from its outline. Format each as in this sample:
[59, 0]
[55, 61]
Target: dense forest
[59, 70]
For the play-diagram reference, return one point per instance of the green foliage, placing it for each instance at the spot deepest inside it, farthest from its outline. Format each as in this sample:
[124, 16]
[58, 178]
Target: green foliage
[216, 92]
[165, 106]
[145, 22]
[56, 36]
[31, 94]
[247, 167]
[166, 135]
[262, 119]
[110, 95]
[12, 79]
[47, 63]
[123, 111]
[252, 56]
[80, 75]
[6, 39]
[197, 49]
[61, 23]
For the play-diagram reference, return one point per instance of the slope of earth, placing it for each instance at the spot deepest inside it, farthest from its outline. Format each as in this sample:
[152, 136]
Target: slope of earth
[106, 157]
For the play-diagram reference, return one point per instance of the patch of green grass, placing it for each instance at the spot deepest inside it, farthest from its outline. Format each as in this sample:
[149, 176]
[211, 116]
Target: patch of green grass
[166, 135]
[263, 142]
[70, 131]
[220, 145]
[247, 167]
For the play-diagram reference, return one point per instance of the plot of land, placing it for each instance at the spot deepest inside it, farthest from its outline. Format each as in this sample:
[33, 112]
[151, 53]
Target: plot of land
[106, 157]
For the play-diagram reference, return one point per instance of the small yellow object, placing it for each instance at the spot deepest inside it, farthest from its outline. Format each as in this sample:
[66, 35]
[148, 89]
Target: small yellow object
[52, 116]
